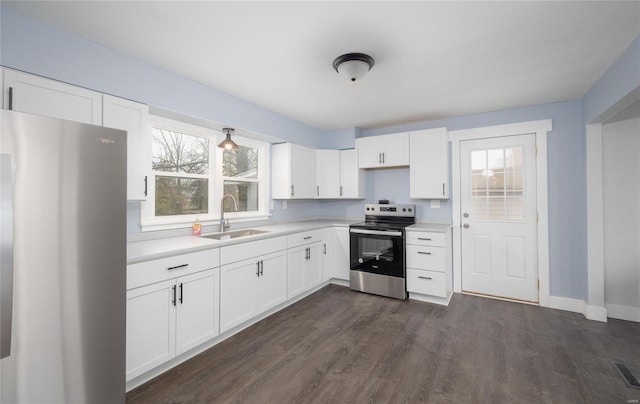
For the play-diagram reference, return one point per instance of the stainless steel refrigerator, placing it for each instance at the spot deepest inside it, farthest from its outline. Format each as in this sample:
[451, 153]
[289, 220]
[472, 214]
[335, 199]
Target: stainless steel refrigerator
[63, 257]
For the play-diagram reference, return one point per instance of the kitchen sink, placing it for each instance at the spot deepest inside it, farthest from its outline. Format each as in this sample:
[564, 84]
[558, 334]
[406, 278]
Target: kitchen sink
[235, 234]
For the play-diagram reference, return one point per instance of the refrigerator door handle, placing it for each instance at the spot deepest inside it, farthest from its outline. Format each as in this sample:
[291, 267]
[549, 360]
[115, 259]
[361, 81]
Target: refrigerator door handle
[6, 254]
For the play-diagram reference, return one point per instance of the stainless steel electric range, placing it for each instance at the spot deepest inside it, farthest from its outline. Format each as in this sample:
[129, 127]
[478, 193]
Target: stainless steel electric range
[377, 253]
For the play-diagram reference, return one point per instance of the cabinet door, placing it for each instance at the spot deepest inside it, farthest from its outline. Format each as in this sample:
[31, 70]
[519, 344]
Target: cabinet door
[328, 173]
[238, 293]
[37, 95]
[313, 266]
[352, 178]
[303, 172]
[150, 327]
[133, 117]
[327, 254]
[341, 253]
[296, 262]
[272, 284]
[197, 309]
[429, 165]
[369, 152]
[395, 150]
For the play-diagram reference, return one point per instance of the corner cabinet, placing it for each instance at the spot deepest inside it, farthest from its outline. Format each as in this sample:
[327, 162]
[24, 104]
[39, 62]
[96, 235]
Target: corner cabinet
[338, 175]
[383, 151]
[133, 117]
[293, 172]
[429, 164]
[172, 306]
[340, 256]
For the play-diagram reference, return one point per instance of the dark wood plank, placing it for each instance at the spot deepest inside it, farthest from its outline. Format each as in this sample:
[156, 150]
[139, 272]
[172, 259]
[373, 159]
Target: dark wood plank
[339, 346]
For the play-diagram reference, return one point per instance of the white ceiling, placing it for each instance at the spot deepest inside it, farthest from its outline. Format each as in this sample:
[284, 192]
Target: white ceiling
[432, 59]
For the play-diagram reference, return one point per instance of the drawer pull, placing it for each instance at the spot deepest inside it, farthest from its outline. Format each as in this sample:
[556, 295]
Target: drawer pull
[425, 277]
[308, 237]
[177, 267]
[424, 239]
[424, 253]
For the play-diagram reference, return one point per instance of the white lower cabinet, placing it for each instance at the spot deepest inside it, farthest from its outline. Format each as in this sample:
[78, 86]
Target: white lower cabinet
[167, 318]
[250, 287]
[340, 258]
[429, 264]
[305, 268]
[327, 253]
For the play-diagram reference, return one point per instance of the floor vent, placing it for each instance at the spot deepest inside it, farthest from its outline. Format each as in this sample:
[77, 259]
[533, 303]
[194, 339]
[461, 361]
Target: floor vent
[629, 378]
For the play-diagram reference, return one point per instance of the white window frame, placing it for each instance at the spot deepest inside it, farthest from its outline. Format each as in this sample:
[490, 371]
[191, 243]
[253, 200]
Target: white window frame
[150, 222]
[262, 179]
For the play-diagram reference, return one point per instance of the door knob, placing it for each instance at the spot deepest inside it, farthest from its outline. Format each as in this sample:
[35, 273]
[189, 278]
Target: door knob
[466, 225]
[465, 215]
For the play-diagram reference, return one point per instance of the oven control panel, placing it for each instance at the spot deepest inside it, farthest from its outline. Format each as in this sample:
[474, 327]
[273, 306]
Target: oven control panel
[398, 210]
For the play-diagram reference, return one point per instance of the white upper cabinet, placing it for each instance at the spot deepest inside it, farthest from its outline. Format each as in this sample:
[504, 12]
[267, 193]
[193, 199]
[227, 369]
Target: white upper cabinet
[293, 172]
[352, 178]
[338, 175]
[37, 95]
[133, 117]
[429, 166]
[383, 151]
[328, 173]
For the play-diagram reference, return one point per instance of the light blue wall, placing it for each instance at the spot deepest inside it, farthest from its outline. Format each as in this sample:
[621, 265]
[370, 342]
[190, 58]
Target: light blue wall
[36, 47]
[566, 186]
[619, 80]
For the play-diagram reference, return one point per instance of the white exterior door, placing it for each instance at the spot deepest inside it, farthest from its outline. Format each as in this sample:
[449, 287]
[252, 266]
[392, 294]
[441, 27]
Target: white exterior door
[499, 217]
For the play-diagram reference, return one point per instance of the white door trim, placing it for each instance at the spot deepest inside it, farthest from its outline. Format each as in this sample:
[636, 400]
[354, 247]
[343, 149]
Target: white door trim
[540, 128]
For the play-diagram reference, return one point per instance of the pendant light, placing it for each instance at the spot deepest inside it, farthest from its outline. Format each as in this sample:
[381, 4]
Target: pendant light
[228, 144]
[353, 66]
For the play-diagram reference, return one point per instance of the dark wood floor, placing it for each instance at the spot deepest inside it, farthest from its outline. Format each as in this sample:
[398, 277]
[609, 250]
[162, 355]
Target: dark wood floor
[347, 347]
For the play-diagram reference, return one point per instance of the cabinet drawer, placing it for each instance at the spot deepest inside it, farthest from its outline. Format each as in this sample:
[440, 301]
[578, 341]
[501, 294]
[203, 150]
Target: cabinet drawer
[250, 249]
[148, 272]
[305, 237]
[426, 257]
[426, 282]
[425, 238]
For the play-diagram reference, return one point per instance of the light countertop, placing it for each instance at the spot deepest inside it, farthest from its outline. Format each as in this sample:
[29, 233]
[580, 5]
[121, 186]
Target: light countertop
[140, 251]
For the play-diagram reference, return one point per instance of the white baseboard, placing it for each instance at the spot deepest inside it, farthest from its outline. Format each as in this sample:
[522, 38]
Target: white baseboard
[621, 312]
[577, 306]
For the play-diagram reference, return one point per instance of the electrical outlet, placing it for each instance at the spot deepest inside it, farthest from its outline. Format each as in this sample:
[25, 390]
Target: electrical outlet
[435, 204]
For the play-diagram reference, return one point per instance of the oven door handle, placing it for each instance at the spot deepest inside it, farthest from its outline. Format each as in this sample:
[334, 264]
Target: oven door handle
[377, 232]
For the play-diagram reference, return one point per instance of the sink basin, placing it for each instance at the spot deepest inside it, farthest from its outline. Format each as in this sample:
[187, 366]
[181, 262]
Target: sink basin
[235, 234]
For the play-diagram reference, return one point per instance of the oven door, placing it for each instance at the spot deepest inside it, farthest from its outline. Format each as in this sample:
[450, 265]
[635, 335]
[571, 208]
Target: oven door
[377, 251]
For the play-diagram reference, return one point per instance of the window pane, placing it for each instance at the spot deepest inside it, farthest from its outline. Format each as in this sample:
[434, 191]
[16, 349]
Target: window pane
[246, 194]
[496, 187]
[181, 196]
[179, 153]
[240, 163]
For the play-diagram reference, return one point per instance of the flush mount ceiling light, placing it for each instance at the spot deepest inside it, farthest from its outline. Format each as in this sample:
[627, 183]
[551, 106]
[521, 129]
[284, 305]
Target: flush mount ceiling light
[228, 144]
[353, 66]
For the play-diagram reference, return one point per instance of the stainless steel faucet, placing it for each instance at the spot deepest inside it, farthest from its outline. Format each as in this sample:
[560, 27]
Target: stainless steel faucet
[223, 223]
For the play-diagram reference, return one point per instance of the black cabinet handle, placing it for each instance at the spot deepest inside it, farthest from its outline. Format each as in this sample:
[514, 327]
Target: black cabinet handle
[261, 268]
[424, 238]
[424, 253]
[181, 294]
[174, 295]
[258, 268]
[443, 189]
[325, 248]
[145, 185]
[10, 98]
[177, 267]
[425, 277]
[292, 190]
[308, 237]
